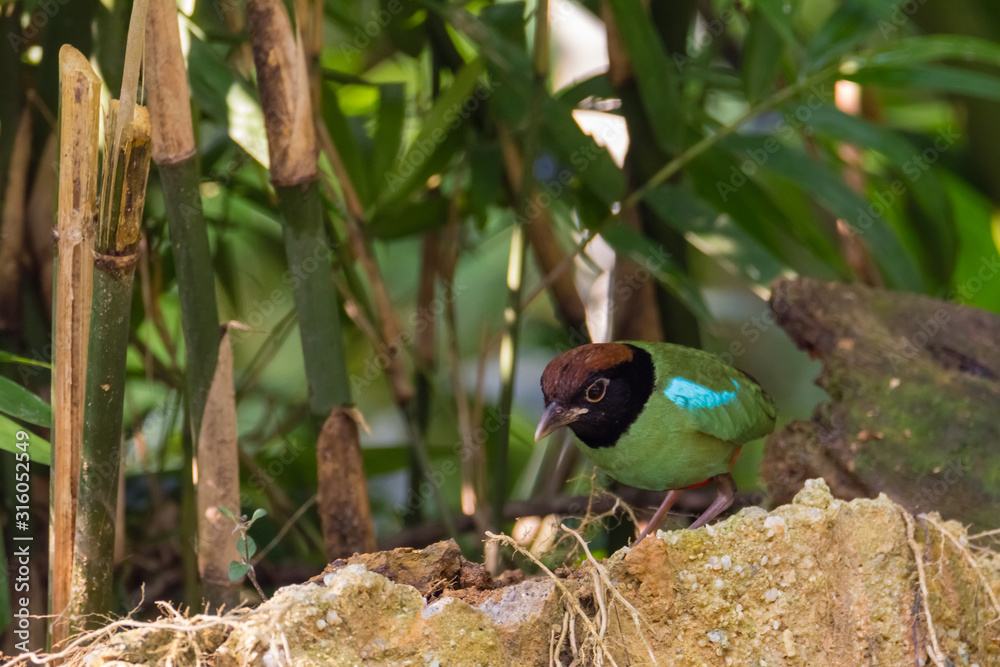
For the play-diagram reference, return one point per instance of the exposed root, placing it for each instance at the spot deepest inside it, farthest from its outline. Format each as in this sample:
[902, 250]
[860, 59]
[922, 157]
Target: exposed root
[967, 555]
[594, 635]
[934, 650]
[601, 577]
[186, 628]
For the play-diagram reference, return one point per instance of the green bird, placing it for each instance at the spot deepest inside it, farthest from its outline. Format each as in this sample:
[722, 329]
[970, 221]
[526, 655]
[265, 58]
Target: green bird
[656, 416]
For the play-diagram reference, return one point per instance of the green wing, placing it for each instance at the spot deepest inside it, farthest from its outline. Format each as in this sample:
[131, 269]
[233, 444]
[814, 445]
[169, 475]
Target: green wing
[722, 402]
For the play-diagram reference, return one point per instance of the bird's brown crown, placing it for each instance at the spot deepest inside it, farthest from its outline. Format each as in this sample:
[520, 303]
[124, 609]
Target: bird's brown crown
[565, 374]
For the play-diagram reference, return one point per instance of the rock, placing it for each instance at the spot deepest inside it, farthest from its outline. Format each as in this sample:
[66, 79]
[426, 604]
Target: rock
[914, 384]
[431, 570]
[359, 617]
[821, 581]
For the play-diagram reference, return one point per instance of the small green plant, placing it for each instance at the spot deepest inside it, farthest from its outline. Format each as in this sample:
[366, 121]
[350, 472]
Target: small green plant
[246, 547]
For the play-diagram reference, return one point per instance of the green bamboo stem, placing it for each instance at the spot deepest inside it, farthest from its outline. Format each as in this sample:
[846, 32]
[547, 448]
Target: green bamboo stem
[115, 254]
[102, 439]
[195, 281]
[291, 141]
[510, 343]
[199, 324]
[176, 160]
[315, 298]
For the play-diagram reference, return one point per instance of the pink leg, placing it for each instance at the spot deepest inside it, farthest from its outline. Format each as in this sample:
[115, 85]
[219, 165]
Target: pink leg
[727, 492]
[657, 519]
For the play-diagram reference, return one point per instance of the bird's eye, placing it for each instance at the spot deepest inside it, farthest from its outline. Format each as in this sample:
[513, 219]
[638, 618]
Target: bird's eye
[595, 392]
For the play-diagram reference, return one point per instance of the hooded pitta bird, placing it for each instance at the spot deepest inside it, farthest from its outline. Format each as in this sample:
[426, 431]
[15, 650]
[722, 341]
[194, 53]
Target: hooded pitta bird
[656, 416]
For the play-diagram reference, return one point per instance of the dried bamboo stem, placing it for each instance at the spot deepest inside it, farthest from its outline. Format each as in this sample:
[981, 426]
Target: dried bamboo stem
[80, 100]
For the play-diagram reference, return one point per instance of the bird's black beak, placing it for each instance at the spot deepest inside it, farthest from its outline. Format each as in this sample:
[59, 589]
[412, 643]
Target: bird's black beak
[556, 416]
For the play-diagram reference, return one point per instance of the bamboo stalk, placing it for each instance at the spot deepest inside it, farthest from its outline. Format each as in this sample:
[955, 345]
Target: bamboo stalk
[509, 344]
[80, 99]
[284, 92]
[218, 484]
[176, 160]
[115, 255]
[174, 153]
[426, 357]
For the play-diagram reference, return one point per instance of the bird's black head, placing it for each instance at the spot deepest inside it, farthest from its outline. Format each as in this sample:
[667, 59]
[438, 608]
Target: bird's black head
[597, 390]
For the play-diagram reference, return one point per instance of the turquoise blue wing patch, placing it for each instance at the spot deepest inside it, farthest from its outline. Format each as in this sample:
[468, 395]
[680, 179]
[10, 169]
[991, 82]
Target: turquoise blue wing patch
[692, 396]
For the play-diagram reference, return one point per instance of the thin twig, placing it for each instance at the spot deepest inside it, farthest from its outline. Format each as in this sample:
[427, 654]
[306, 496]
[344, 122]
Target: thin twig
[934, 651]
[285, 528]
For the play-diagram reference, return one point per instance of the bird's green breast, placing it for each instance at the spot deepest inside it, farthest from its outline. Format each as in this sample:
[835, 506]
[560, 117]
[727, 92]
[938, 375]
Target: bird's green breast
[698, 415]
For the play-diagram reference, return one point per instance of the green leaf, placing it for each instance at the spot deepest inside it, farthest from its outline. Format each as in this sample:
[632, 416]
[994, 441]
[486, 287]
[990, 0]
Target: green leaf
[242, 544]
[655, 74]
[8, 358]
[229, 101]
[779, 14]
[830, 190]
[259, 513]
[852, 22]
[934, 77]
[389, 132]
[237, 570]
[442, 121]
[762, 54]
[20, 403]
[768, 215]
[591, 163]
[38, 449]
[596, 86]
[974, 279]
[715, 234]
[485, 176]
[409, 218]
[913, 50]
[933, 235]
[345, 141]
[225, 512]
